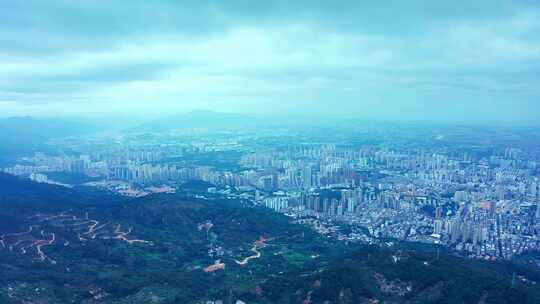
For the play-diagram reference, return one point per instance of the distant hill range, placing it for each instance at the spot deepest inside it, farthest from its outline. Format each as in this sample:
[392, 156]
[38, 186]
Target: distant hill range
[197, 120]
[19, 133]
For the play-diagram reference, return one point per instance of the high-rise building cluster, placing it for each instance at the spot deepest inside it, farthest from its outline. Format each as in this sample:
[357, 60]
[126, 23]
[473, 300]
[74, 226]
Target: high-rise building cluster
[481, 203]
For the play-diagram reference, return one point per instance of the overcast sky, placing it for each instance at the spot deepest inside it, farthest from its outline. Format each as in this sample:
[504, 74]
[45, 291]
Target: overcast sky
[464, 61]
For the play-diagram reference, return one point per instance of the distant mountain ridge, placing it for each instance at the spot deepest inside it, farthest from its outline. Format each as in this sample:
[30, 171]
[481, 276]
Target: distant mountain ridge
[19, 133]
[197, 120]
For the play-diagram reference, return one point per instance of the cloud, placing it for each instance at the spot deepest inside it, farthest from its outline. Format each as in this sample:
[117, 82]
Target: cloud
[391, 61]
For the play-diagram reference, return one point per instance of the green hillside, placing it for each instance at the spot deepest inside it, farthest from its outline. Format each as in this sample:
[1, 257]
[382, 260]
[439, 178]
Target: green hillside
[63, 245]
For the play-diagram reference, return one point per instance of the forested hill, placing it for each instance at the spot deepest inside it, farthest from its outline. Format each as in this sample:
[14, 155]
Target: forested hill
[62, 245]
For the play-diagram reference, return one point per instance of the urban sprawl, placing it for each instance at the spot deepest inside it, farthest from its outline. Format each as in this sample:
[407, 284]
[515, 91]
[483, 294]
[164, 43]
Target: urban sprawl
[479, 205]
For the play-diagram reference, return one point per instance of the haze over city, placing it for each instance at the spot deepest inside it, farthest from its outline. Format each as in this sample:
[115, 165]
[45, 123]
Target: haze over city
[269, 152]
[473, 62]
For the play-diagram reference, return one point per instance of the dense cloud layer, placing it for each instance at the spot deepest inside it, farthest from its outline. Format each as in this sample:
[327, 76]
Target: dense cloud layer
[412, 60]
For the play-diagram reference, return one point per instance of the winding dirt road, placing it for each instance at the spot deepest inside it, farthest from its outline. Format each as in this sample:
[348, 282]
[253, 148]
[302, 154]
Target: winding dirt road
[260, 243]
